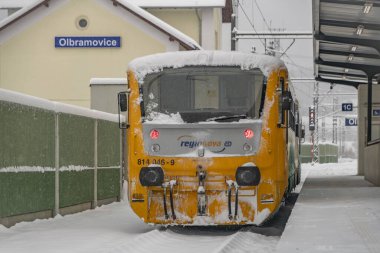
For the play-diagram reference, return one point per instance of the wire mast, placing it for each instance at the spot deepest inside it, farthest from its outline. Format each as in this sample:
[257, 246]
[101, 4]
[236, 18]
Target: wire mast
[315, 134]
[234, 24]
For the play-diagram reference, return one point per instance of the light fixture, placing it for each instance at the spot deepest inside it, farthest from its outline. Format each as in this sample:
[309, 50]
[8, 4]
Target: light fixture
[359, 29]
[155, 148]
[345, 70]
[247, 147]
[367, 7]
[353, 48]
[350, 57]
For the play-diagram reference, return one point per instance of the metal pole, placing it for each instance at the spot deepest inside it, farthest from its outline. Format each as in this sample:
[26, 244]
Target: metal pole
[316, 131]
[95, 203]
[369, 112]
[335, 133]
[233, 32]
[56, 193]
[323, 129]
[272, 35]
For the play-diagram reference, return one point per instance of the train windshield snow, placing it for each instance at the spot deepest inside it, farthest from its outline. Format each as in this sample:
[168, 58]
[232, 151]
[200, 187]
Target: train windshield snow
[222, 94]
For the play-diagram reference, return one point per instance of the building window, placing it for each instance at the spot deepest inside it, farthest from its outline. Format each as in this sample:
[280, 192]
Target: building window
[82, 22]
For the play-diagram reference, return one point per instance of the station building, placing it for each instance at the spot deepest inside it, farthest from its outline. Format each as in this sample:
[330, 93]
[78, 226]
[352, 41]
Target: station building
[53, 48]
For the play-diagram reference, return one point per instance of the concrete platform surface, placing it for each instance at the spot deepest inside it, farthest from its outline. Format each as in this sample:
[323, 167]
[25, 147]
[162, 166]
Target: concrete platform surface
[336, 211]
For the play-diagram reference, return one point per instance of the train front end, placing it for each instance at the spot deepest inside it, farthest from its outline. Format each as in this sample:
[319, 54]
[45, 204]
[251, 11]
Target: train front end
[200, 149]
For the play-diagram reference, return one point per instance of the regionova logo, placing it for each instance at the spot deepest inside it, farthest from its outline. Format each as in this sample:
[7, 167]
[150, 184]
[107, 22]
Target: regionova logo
[216, 146]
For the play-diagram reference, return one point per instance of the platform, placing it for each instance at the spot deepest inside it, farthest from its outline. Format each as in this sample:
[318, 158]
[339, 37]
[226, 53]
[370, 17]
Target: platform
[335, 212]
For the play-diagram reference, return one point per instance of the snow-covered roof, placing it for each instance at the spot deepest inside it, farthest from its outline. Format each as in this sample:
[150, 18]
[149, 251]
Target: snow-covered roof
[20, 13]
[108, 81]
[155, 63]
[174, 34]
[15, 3]
[19, 98]
[179, 3]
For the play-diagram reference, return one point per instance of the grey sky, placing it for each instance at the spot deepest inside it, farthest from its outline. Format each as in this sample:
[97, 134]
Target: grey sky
[292, 15]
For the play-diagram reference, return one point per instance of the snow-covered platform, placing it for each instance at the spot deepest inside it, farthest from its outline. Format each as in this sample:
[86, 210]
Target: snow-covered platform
[336, 211]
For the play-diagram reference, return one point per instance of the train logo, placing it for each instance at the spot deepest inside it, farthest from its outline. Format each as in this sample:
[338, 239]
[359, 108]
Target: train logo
[190, 142]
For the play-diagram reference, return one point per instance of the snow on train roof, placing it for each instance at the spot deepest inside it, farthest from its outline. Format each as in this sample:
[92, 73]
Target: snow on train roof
[157, 62]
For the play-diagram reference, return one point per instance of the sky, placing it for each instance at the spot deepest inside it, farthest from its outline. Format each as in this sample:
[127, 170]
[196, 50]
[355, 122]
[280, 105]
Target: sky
[291, 16]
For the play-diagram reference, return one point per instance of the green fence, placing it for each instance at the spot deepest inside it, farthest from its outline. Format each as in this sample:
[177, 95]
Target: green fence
[54, 156]
[328, 153]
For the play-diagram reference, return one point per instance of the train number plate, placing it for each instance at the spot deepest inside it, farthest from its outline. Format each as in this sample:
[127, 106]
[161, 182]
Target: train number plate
[161, 162]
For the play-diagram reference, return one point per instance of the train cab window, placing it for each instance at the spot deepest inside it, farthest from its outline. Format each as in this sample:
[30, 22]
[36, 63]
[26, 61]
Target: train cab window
[173, 93]
[204, 93]
[206, 90]
[281, 112]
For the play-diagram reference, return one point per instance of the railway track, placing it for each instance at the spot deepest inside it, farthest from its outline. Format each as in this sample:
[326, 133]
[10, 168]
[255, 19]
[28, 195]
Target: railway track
[214, 241]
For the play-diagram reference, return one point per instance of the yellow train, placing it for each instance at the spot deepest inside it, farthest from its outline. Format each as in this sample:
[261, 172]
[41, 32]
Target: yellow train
[213, 137]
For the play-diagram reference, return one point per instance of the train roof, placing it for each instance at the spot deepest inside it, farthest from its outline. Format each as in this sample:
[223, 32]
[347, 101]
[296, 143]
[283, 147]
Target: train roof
[157, 62]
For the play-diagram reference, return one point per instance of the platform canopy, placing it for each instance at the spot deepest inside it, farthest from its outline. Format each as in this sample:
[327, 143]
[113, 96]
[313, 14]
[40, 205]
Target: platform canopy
[347, 41]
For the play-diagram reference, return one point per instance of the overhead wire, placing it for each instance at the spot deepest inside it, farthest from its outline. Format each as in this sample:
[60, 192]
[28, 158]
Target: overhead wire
[250, 22]
[291, 44]
[270, 30]
[262, 16]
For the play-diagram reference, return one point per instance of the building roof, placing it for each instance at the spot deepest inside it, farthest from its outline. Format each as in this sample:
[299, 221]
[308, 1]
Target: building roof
[173, 33]
[15, 3]
[346, 41]
[21, 13]
[159, 24]
[179, 3]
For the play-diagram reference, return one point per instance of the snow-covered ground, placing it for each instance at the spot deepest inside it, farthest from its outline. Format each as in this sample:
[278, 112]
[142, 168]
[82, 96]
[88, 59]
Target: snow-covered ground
[115, 228]
[336, 212]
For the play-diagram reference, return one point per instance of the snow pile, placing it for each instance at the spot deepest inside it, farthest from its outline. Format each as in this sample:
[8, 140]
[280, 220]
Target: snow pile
[26, 169]
[347, 168]
[162, 118]
[108, 81]
[44, 169]
[179, 4]
[75, 168]
[155, 63]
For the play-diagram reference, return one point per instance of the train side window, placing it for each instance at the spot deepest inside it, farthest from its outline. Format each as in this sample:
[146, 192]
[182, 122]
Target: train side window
[285, 106]
[292, 118]
[297, 128]
[281, 111]
[263, 91]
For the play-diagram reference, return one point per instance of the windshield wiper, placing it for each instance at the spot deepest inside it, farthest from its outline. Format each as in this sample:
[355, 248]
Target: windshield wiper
[221, 118]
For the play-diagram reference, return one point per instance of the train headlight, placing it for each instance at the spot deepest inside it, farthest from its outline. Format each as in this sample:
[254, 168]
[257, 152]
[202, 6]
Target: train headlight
[151, 176]
[248, 176]
[155, 148]
[247, 147]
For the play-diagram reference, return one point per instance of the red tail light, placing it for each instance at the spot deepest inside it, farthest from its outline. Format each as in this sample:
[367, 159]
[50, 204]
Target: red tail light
[154, 134]
[248, 133]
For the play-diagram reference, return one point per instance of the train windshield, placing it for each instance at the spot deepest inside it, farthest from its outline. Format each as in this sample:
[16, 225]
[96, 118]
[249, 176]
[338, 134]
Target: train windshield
[222, 94]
